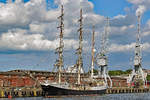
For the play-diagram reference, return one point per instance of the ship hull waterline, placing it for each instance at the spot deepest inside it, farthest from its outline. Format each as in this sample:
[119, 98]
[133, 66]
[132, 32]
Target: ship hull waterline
[51, 91]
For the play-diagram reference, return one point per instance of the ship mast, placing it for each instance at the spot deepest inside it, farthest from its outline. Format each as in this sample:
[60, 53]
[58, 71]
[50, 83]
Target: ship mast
[59, 62]
[93, 52]
[79, 50]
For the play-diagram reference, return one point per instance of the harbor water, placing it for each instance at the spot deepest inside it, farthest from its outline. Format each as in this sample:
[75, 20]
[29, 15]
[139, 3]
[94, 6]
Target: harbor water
[129, 96]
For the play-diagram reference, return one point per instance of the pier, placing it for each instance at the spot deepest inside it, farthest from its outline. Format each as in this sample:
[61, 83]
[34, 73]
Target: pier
[127, 90]
[37, 92]
[20, 92]
[21, 83]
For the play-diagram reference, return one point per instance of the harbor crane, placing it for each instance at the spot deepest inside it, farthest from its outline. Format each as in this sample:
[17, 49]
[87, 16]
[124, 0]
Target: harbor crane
[137, 74]
[101, 57]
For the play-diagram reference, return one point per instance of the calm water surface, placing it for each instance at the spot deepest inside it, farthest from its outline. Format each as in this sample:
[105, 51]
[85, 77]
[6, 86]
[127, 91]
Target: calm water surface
[137, 96]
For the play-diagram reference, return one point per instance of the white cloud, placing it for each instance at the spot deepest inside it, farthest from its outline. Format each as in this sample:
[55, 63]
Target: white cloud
[20, 14]
[121, 48]
[140, 5]
[128, 47]
[146, 30]
[146, 47]
[61, 2]
[123, 20]
[122, 30]
[40, 25]
[20, 40]
[140, 10]
[148, 23]
[137, 1]
[119, 16]
[146, 33]
[38, 28]
[29, 26]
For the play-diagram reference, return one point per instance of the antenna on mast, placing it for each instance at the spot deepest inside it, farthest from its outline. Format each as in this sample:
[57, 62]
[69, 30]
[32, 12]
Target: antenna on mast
[137, 73]
[59, 62]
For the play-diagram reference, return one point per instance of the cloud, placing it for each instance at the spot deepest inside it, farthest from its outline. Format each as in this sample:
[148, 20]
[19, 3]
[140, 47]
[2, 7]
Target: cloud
[33, 22]
[146, 30]
[38, 26]
[20, 14]
[141, 9]
[123, 20]
[30, 27]
[128, 47]
[140, 5]
[136, 1]
[19, 40]
[146, 33]
[122, 30]
[121, 48]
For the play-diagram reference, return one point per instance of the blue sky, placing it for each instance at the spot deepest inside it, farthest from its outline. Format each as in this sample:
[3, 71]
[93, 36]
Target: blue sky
[12, 0]
[29, 37]
[110, 7]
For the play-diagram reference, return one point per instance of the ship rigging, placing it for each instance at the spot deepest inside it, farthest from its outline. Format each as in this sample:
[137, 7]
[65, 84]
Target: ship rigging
[60, 88]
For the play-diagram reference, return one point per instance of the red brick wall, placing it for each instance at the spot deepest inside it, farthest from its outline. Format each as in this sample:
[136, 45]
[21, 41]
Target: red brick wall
[21, 81]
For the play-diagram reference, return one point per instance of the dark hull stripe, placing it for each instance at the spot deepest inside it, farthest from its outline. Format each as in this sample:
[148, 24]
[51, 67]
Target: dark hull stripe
[55, 91]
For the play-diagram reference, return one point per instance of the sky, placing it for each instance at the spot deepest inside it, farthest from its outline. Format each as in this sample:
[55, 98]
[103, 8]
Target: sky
[29, 34]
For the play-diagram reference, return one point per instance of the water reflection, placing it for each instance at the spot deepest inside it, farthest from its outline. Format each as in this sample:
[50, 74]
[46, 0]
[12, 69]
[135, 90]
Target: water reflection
[137, 96]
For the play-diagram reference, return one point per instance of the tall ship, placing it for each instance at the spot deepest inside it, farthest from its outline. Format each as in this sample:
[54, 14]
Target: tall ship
[88, 86]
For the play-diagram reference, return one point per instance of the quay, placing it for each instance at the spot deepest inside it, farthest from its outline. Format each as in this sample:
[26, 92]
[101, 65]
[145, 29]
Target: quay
[25, 83]
[37, 92]
[127, 90]
[20, 92]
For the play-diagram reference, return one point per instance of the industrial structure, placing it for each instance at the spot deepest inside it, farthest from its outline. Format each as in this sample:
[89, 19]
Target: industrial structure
[101, 58]
[137, 74]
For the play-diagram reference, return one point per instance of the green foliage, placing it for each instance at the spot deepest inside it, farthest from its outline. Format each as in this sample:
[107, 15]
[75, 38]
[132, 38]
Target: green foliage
[128, 71]
[115, 72]
[148, 77]
[94, 71]
[119, 72]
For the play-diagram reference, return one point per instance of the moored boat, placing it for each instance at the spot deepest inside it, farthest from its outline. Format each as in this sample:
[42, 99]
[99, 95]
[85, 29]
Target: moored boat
[55, 89]
[81, 87]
